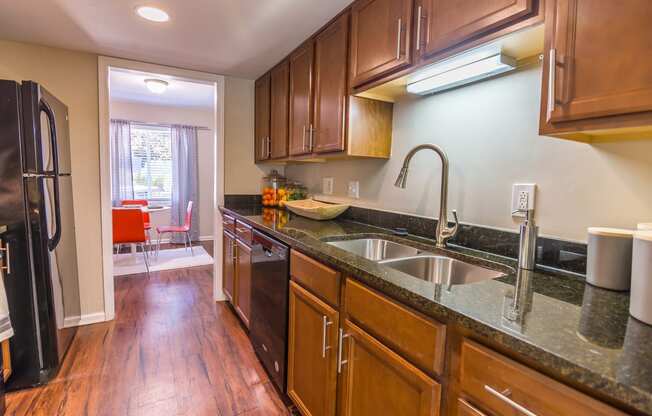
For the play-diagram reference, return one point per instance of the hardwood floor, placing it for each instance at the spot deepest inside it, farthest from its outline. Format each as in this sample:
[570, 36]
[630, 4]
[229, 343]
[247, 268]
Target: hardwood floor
[170, 351]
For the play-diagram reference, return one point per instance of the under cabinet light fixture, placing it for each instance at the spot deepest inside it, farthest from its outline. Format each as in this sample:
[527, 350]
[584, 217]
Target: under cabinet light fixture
[157, 86]
[460, 70]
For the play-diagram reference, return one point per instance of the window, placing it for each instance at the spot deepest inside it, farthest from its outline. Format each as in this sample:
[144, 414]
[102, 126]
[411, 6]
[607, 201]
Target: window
[151, 159]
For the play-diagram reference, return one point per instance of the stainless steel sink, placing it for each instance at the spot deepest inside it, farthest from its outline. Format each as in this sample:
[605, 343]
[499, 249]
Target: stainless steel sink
[375, 249]
[440, 269]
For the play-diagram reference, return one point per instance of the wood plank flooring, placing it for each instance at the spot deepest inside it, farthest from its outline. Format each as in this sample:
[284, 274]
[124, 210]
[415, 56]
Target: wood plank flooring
[170, 351]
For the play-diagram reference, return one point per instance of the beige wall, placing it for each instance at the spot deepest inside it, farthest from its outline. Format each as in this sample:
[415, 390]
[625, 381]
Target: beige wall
[242, 175]
[71, 77]
[490, 132]
[198, 116]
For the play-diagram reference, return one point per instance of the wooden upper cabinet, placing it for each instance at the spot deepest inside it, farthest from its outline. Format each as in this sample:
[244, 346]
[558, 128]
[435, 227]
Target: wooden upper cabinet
[301, 99]
[262, 118]
[228, 265]
[331, 87]
[442, 24]
[243, 282]
[376, 381]
[312, 353]
[380, 38]
[598, 63]
[280, 108]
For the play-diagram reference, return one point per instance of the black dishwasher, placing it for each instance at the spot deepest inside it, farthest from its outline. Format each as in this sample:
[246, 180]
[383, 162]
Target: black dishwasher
[269, 304]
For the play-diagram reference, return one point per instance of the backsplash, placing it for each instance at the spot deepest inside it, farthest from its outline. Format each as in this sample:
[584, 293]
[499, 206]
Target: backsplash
[551, 253]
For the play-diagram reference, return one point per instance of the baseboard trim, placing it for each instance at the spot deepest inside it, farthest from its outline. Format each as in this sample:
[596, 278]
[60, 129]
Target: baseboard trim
[90, 318]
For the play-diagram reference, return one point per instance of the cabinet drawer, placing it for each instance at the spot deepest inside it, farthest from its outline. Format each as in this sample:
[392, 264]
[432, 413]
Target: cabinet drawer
[243, 232]
[466, 409]
[504, 387]
[228, 223]
[319, 279]
[420, 340]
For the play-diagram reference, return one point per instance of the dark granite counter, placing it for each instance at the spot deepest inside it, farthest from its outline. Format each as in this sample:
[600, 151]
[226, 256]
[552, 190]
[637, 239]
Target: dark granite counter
[575, 332]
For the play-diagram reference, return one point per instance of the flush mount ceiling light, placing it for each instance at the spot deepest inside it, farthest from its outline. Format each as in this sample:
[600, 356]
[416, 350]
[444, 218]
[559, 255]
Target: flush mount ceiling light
[460, 70]
[157, 86]
[153, 14]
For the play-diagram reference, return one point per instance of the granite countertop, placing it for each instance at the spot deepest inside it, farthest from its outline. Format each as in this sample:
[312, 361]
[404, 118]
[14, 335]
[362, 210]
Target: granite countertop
[576, 332]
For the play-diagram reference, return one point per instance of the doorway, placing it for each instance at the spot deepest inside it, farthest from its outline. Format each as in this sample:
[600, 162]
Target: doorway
[161, 143]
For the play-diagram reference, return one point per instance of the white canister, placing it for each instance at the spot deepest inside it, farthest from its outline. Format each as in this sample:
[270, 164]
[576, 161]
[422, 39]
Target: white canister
[609, 258]
[640, 304]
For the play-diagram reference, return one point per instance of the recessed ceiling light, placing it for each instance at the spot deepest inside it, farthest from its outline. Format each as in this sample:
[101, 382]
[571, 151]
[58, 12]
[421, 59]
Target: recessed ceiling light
[153, 14]
[157, 86]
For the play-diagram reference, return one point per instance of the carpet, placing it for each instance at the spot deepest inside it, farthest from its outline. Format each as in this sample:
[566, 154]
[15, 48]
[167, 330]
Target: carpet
[178, 258]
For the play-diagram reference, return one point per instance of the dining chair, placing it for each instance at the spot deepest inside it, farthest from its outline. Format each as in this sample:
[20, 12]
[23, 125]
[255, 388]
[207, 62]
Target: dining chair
[178, 229]
[129, 228]
[146, 217]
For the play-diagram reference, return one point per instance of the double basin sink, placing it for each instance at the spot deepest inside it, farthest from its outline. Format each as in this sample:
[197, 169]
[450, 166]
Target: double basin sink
[424, 265]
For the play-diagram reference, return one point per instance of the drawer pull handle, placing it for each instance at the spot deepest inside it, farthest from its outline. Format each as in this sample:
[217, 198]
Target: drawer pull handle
[324, 334]
[418, 42]
[510, 402]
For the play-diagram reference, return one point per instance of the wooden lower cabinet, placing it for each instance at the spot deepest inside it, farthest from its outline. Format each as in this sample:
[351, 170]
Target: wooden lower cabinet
[243, 283]
[228, 265]
[312, 353]
[377, 381]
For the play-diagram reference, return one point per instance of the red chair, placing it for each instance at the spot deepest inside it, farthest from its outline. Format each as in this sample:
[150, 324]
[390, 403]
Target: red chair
[180, 229]
[142, 203]
[129, 228]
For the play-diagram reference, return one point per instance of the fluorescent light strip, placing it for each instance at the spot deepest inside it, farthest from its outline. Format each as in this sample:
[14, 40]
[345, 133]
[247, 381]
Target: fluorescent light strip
[454, 72]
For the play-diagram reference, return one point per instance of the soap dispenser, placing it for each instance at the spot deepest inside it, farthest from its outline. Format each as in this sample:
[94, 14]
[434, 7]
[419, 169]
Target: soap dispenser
[528, 240]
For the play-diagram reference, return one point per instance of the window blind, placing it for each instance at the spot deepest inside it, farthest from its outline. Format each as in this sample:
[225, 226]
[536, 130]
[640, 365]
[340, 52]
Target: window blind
[151, 156]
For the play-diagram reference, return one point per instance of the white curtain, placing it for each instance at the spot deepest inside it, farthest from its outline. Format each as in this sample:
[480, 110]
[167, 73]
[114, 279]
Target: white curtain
[122, 179]
[185, 175]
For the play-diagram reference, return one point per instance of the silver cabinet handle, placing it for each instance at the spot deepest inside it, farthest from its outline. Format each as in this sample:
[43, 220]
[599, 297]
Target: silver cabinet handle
[324, 334]
[552, 69]
[269, 147]
[262, 150]
[311, 138]
[304, 137]
[419, 9]
[510, 402]
[7, 256]
[398, 40]
[340, 361]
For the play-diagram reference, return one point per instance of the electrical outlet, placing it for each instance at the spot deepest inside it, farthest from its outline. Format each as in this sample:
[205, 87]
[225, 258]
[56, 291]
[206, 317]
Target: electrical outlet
[354, 189]
[327, 186]
[522, 197]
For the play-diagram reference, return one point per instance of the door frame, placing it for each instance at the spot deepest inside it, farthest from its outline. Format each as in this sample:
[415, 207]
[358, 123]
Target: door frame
[105, 64]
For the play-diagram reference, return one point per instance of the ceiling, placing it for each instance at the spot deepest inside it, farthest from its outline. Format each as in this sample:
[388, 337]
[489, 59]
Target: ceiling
[130, 86]
[230, 37]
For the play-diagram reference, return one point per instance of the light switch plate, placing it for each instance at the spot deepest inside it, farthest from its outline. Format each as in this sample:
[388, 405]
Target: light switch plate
[523, 197]
[354, 189]
[327, 186]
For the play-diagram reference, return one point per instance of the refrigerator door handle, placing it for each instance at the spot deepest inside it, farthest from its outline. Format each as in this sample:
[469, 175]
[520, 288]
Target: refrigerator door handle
[56, 237]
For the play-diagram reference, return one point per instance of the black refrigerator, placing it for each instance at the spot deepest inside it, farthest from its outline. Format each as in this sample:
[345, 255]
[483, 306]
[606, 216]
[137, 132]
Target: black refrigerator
[36, 205]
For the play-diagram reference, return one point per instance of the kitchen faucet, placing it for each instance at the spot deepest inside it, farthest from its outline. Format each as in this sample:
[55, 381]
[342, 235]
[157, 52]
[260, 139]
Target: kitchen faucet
[443, 231]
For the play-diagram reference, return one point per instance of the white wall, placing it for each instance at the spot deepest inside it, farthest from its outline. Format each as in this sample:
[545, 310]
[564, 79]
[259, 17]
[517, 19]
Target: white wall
[195, 116]
[490, 132]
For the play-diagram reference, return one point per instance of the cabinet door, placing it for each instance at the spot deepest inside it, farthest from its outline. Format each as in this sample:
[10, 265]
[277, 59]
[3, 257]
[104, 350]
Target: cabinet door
[330, 86]
[243, 282]
[377, 381]
[598, 53]
[228, 266]
[312, 353]
[280, 107]
[262, 118]
[380, 38]
[445, 23]
[301, 96]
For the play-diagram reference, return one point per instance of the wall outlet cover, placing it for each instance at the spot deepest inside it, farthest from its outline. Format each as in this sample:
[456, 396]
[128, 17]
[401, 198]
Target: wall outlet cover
[523, 197]
[327, 186]
[354, 189]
